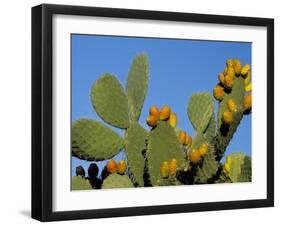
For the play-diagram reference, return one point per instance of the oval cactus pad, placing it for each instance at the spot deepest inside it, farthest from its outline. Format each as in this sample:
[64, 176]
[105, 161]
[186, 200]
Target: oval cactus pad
[110, 101]
[91, 140]
[200, 109]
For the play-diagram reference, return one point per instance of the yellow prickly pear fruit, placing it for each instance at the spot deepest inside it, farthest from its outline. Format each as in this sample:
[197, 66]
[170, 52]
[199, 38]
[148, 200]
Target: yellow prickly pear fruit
[247, 102]
[165, 113]
[154, 112]
[151, 121]
[228, 81]
[229, 160]
[232, 107]
[182, 137]
[111, 166]
[218, 93]
[188, 141]
[173, 166]
[173, 120]
[221, 78]
[203, 149]
[227, 167]
[245, 70]
[248, 87]
[164, 169]
[230, 63]
[121, 167]
[230, 72]
[194, 155]
[227, 117]
[237, 67]
[225, 70]
[248, 78]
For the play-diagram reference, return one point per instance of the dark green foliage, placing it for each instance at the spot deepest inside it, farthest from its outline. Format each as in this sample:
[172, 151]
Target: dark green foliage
[93, 170]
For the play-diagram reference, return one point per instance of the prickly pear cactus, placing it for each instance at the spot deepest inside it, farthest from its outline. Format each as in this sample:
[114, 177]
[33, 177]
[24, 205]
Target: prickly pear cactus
[135, 145]
[93, 141]
[137, 83]
[165, 155]
[240, 168]
[210, 131]
[200, 110]
[236, 94]
[79, 183]
[110, 101]
[208, 166]
[117, 181]
[163, 145]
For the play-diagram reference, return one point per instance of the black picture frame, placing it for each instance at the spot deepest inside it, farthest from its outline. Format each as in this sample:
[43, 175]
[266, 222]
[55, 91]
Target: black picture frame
[42, 107]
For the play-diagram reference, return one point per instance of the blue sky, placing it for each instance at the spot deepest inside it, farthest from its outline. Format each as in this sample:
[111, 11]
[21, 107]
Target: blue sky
[177, 68]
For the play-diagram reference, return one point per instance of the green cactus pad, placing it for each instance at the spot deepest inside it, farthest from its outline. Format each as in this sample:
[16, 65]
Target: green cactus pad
[246, 170]
[208, 168]
[200, 110]
[117, 181]
[210, 131]
[225, 134]
[137, 83]
[198, 139]
[135, 144]
[163, 145]
[79, 183]
[93, 141]
[240, 169]
[236, 94]
[168, 182]
[110, 101]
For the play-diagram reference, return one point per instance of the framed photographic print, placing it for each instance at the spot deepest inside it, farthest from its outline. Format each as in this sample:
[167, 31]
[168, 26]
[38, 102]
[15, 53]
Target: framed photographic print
[145, 112]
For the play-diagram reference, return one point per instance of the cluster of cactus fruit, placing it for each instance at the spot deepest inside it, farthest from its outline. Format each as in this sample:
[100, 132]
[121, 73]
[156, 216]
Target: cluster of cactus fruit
[164, 154]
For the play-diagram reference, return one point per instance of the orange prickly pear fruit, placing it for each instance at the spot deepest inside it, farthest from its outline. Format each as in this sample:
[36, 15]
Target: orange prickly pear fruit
[173, 166]
[221, 78]
[227, 117]
[188, 141]
[194, 155]
[164, 169]
[154, 112]
[247, 102]
[173, 120]
[230, 63]
[182, 137]
[165, 113]
[237, 67]
[245, 70]
[228, 81]
[151, 121]
[247, 78]
[230, 72]
[232, 107]
[121, 167]
[218, 93]
[203, 149]
[111, 166]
